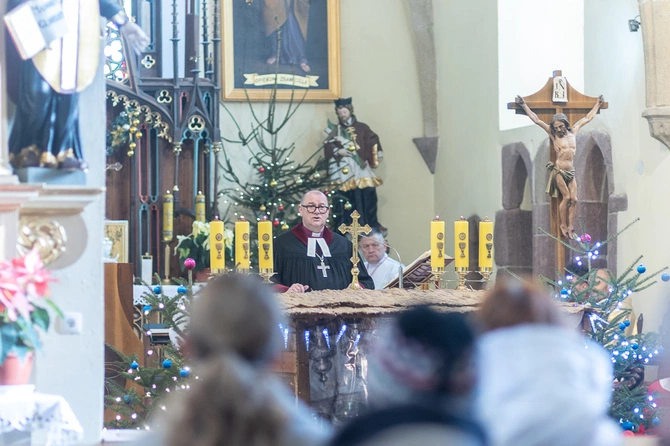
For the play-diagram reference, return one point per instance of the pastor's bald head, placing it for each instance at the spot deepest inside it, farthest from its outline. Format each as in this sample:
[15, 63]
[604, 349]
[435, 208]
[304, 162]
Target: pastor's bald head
[312, 195]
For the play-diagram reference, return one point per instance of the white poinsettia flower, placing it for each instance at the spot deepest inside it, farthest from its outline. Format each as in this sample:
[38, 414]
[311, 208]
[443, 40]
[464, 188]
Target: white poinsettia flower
[228, 236]
[200, 227]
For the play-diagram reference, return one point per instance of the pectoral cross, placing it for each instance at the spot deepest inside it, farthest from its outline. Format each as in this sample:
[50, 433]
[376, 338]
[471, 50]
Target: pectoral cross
[355, 230]
[323, 268]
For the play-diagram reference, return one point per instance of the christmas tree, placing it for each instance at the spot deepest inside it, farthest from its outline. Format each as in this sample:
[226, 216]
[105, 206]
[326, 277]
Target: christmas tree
[604, 296]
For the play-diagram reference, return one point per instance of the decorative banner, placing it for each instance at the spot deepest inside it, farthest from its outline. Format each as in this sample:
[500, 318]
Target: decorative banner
[265, 253]
[461, 248]
[217, 253]
[486, 243]
[242, 260]
[261, 80]
[437, 243]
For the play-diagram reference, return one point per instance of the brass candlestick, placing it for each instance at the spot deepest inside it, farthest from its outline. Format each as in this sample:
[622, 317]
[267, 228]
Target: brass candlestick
[486, 273]
[242, 270]
[166, 279]
[266, 273]
[437, 273]
[462, 271]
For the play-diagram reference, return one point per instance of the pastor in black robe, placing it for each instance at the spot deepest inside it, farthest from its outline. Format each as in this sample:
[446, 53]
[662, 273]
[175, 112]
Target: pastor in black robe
[292, 265]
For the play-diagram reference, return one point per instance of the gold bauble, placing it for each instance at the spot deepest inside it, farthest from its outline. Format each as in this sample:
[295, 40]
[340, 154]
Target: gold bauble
[316, 175]
[262, 208]
[347, 205]
[352, 148]
[136, 122]
[345, 170]
[138, 135]
[130, 152]
[298, 181]
[284, 227]
[273, 183]
[132, 146]
[132, 129]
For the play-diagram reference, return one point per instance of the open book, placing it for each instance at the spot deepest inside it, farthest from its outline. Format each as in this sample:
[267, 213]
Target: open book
[417, 272]
[34, 24]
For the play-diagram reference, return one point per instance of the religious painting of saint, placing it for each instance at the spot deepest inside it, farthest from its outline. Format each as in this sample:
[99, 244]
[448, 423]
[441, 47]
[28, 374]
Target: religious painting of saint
[293, 43]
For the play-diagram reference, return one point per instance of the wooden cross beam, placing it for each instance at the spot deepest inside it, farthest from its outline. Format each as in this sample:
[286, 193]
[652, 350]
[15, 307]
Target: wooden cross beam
[557, 96]
[355, 230]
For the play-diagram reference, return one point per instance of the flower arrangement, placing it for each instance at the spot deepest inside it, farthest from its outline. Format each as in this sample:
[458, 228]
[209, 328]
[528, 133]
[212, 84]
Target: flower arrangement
[24, 291]
[196, 245]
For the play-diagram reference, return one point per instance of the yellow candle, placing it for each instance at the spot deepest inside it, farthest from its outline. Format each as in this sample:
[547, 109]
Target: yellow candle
[168, 216]
[200, 207]
[242, 244]
[461, 258]
[265, 254]
[437, 243]
[217, 247]
[485, 243]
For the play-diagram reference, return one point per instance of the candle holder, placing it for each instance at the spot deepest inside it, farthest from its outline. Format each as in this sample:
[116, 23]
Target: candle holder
[437, 273]
[242, 270]
[216, 272]
[266, 273]
[486, 273]
[462, 271]
[166, 271]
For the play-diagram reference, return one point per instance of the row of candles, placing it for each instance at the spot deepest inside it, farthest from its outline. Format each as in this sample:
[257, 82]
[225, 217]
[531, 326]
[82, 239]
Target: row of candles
[461, 243]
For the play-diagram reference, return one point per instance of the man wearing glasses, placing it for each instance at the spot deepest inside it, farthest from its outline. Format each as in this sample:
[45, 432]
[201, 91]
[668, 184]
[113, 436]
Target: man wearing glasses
[379, 265]
[310, 256]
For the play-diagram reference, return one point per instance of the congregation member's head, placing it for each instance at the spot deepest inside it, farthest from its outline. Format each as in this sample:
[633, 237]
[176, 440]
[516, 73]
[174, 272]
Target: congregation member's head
[512, 302]
[314, 210]
[422, 355]
[373, 246]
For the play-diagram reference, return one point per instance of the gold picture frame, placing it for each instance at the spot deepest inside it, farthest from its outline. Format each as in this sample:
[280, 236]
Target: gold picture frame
[117, 232]
[246, 46]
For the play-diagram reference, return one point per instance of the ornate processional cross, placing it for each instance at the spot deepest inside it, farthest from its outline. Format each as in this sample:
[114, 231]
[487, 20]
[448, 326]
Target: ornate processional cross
[557, 96]
[354, 229]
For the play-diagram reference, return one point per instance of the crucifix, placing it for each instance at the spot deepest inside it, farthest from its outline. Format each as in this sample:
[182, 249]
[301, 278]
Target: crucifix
[554, 108]
[355, 230]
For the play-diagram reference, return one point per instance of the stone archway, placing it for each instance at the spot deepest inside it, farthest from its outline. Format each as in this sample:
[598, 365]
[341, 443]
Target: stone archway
[513, 225]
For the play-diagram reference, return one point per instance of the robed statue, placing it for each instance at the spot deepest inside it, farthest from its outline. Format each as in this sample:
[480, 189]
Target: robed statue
[46, 87]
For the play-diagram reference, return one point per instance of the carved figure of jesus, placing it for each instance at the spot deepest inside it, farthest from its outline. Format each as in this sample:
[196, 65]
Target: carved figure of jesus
[562, 173]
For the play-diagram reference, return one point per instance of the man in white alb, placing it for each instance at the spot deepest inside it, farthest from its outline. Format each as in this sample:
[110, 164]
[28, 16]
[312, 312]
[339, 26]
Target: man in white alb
[380, 266]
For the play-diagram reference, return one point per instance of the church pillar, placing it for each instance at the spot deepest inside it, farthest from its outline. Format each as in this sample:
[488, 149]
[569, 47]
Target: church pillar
[655, 19]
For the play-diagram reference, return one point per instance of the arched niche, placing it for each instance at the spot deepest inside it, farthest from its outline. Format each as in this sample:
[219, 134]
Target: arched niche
[513, 225]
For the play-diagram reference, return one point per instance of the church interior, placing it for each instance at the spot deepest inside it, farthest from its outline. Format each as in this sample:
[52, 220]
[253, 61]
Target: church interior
[396, 188]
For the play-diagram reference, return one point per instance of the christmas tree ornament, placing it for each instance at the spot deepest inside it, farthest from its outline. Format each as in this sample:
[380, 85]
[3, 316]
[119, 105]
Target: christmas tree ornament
[347, 206]
[627, 426]
[656, 420]
[634, 346]
[298, 181]
[167, 364]
[622, 326]
[586, 238]
[261, 169]
[316, 175]
[157, 289]
[345, 170]
[134, 365]
[184, 373]
[564, 292]
[665, 277]
[275, 222]
[280, 208]
[626, 323]
[284, 227]
[262, 208]
[127, 399]
[641, 269]
[189, 264]
[273, 183]
[147, 308]
[181, 289]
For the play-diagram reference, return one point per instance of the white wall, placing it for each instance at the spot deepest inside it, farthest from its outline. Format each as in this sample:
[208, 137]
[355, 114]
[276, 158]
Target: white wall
[379, 72]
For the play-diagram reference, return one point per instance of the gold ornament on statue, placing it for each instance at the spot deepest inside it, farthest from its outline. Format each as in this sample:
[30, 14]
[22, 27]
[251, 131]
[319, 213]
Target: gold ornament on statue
[262, 208]
[138, 135]
[130, 152]
[133, 129]
[136, 122]
[273, 183]
[347, 205]
[345, 170]
[132, 146]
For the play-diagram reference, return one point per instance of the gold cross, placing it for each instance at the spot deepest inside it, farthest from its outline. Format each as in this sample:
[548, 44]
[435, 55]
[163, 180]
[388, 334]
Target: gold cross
[354, 229]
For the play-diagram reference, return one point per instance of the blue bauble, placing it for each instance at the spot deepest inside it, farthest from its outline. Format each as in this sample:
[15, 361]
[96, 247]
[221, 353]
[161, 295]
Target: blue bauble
[184, 373]
[622, 326]
[641, 269]
[627, 322]
[181, 290]
[127, 399]
[167, 364]
[627, 426]
[656, 420]
[147, 308]
[665, 277]
[134, 365]
[564, 292]
[634, 346]
[157, 289]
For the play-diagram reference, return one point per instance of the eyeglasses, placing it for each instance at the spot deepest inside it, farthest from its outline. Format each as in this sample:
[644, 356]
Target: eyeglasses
[314, 209]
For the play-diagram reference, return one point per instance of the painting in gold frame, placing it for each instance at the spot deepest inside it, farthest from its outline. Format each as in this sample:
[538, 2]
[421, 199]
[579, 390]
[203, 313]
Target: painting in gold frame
[309, 56]
[117, 232]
